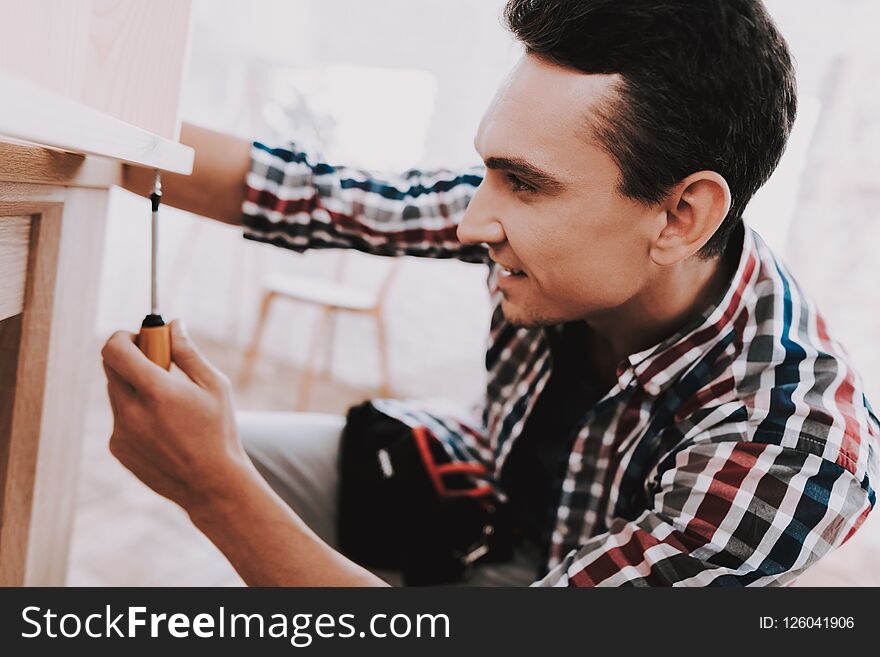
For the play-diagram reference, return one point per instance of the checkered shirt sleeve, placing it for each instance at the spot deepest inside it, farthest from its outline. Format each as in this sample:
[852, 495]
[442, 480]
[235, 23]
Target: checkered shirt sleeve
[296, 201]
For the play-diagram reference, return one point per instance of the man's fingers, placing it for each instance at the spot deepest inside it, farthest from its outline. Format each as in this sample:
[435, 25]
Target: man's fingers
[118, 388]
[123, 398]
[130, 364]
[188, 358]
[127, 406]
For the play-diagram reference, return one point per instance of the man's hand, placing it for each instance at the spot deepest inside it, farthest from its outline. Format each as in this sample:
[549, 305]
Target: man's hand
[177, 435]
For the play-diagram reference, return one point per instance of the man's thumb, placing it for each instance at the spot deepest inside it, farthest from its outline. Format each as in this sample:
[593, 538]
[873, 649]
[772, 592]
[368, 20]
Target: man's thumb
[191, 362]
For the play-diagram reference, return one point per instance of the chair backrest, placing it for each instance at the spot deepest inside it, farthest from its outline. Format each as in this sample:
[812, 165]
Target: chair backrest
[341, 265]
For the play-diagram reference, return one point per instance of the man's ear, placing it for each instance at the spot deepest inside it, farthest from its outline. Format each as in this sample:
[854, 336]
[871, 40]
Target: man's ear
[694, 210]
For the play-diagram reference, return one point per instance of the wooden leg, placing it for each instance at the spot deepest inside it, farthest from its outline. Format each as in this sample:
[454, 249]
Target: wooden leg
[307, 379]
[253, 351]
[71, 349]
[329, 339]
[384, 374]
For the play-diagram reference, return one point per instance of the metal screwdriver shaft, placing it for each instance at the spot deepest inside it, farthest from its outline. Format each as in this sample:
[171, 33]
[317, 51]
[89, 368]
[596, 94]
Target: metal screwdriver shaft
[154, 338]
[154, 244]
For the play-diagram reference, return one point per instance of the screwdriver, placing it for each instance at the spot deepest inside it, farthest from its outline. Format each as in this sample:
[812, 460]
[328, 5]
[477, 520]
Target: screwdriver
[154, 338]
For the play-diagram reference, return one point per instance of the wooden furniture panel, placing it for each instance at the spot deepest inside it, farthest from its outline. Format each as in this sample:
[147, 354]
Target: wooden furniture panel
[31, 113]
[25, 352]
[64, 397]
[141, 46]
[123, 57]
[14, 238]
[43, 357]
[55, 23]
[25, 164]
[10, 339]
[86, 86]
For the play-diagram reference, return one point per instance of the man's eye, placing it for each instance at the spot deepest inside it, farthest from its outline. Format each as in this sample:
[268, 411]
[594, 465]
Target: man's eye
[518, 185]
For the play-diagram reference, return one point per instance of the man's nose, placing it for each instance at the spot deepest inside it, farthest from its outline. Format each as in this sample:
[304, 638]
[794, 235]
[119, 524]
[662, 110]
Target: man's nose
[479, 223]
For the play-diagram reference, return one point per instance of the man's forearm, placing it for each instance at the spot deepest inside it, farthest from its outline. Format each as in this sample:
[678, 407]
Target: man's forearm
[266, 542]
[216, 187]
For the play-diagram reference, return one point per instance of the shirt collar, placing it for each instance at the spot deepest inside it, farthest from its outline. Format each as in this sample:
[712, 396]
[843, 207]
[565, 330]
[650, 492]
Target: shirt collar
[658, 367]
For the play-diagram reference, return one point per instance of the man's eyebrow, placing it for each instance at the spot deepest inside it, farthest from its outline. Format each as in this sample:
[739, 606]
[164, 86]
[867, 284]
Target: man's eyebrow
[523, 168]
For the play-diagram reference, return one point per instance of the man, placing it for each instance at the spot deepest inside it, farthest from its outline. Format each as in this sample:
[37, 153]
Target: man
[664, 404]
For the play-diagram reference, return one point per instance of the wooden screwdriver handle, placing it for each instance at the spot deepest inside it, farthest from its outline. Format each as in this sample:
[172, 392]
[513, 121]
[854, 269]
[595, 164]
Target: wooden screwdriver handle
[155, 342]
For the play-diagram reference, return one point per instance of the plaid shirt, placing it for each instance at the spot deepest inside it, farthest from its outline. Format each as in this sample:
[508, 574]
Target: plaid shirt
[736, 452]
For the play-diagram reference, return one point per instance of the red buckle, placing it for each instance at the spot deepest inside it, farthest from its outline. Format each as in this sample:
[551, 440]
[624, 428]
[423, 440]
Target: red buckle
[437, 472]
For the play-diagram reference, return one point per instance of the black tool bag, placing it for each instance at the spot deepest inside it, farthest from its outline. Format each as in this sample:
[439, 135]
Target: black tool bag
[405, 505]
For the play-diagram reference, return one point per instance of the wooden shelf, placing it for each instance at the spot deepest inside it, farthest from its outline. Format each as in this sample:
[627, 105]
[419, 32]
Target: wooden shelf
[30, 113]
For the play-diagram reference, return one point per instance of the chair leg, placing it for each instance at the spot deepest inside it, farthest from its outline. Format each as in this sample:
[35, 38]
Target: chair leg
[307, 379]
[381, 338]
[329, 338]
[253, 350]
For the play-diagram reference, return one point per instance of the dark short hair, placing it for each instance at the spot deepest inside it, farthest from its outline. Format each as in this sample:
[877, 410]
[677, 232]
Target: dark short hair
[705, 85]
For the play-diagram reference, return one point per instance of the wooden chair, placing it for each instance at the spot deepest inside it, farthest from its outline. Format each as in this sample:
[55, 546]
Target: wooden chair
[332, 297]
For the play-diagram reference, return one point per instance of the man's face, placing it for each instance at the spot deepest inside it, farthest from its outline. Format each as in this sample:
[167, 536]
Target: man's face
[549, 204]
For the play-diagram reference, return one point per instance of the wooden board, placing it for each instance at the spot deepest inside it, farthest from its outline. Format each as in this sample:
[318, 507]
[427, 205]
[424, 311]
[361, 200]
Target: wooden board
[29, 112]
[123, 57]
[10, 339]
[26, 163]
[46, 347]
[14, 238]
[28, 358]
[74, 306]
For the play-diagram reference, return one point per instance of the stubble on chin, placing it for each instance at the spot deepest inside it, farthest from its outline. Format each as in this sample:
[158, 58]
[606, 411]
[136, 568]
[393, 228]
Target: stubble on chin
[526, 318]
